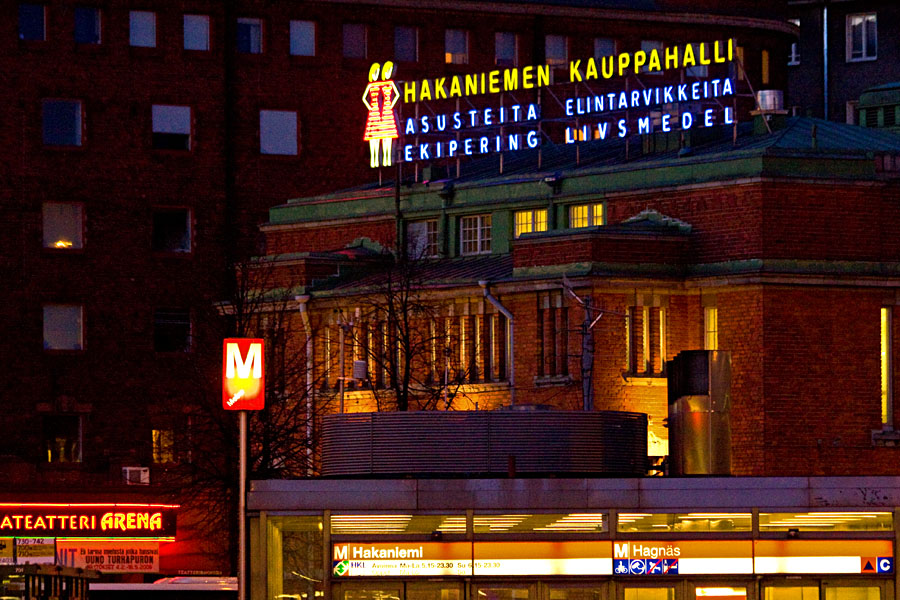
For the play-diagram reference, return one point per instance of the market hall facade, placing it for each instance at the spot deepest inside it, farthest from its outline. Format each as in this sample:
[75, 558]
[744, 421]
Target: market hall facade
[576, 538]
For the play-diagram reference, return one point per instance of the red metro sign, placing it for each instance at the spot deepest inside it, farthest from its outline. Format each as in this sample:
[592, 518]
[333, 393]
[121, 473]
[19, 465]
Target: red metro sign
[243, 374]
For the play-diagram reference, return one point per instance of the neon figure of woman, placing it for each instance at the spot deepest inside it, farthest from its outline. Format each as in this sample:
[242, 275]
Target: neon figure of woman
[381, 125]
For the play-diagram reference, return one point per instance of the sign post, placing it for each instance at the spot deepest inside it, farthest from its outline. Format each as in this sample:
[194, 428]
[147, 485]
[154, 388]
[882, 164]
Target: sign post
[243, 389]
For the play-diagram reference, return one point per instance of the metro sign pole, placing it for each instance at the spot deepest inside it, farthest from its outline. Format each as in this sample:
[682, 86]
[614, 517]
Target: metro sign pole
[243, 389]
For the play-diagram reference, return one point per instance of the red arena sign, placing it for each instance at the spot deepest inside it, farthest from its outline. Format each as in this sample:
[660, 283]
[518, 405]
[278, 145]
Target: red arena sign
[88, 520]
[243, 374]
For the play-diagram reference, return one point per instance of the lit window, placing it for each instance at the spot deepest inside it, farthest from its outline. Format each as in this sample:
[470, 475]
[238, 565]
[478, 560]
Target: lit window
[887, 416]
[685, 522]
[278, 132]
[171, 127]
[794, 56]
[643, 325]
[556, 49]
[649, 46]
[862, 37]
[142, 28]
[196, 32]
[62, 123]
[456, 46]
[764, 67]
[586, 215]
[32, 22]
[699, 70]
[406, 44]
[303, 38]
[87, 25]
[475, 234]
[249, 36]
[163, 445]
[172, 330]
[528, 221]
[171, 230]
[629, 342]
[710, 328]
[355, 40]
[63, 225]
[63, 327]
[422, 238]
[62, 438]
[506, 49]
[604, 47]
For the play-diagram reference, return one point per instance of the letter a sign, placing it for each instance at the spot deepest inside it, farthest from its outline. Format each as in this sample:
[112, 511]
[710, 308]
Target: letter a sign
[243, 374]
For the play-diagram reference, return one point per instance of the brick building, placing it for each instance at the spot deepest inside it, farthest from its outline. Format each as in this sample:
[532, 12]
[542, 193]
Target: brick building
[145, 145]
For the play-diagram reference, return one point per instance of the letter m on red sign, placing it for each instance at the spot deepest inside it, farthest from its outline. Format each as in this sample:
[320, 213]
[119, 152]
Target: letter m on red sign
[243, 374]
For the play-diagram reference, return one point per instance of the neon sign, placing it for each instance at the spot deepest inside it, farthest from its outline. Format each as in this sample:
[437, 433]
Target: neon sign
[381, 125]
[92, 520]
[243, 375]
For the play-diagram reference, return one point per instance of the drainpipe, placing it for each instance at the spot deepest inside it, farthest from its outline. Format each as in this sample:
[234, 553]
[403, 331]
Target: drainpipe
[310, 389]
[510, 352]
[825, 59]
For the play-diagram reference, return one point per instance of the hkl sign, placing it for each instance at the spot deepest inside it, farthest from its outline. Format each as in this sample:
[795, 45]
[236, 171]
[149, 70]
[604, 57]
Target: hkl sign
[243, 374]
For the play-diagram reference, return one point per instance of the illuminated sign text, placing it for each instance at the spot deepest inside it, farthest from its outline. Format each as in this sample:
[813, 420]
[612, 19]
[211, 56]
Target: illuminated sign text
[243, 374]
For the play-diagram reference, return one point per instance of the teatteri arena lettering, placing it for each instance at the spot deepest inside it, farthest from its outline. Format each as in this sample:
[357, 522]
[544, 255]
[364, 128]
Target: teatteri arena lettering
[85, 521]
[438, 119]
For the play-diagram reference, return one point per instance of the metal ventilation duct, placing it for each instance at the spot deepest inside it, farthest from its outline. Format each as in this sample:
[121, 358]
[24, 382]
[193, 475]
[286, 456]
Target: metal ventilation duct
[484, 443]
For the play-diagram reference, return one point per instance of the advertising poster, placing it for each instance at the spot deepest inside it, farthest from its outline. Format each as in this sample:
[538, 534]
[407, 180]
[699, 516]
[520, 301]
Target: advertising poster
[7, 555]
[35, 551]
[111, 556]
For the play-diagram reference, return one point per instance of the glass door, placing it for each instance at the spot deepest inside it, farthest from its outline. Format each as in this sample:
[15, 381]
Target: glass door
[501, 591]
[562, 591]
[720, 590]
[857, 589]
[663, 590]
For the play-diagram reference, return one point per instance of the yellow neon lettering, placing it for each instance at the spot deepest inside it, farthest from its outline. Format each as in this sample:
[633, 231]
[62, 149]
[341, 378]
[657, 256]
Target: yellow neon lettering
[143, 521]
[731, 49]
[511, 79]
[689, 60]
[494, 81]
[527, 77]
[653, 64]
[672, 57]
[543, 75]
[590, 71]
[439, 91]
[704, 60]
[39, 523]
[6, 523]
[640, 59]
[120, 521]
[455, 88]
[624, 61]
[471, 84]
[608, 65]
[717, 56]
[156, 521]
[574, 72]
[130, 521]
[425, 92]
[106, 522]
[409, 91]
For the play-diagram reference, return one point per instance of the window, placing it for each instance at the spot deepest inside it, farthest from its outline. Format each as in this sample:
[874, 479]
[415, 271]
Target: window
[196, 32]
[63, 328]
[62, 438]
[303, 38]
[456, 46]
[506, 49]
[862, 37]
[354, 40]
[736, 68]
[645, 340]
[278, 132]
[62, 123]
[422, 238]
[142, 28]
[887, 416]
[32, 22]
[528, 221]
[852, 112]
[604, 47]
[63, 225]
[163, 445]
[585, 215]
[556, 50]
[764, 67]
[699, 70]
[649, 46]
[553, 336]
[172, 330]
[475, 234]
[249, 36]
[710, 328]
[171, 127]
[794, 56]
[406, 44]
[87, 25]
[171, 230]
